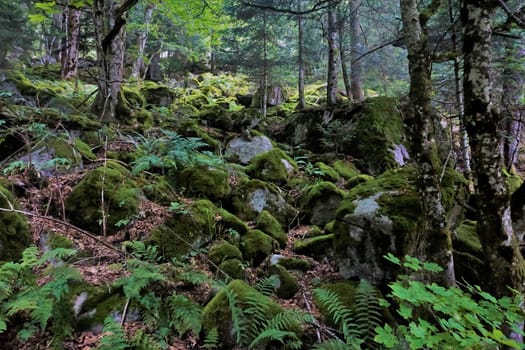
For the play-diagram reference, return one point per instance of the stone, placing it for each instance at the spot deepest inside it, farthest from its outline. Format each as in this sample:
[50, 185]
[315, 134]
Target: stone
[246, 149]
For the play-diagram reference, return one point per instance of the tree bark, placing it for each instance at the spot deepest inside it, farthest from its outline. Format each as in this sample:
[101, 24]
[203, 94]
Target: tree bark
[333, 46]
[301, 77]
[142, 38]
[356, 69]
[504, 263]
[434, 241]
[70, 53]
[110, 20]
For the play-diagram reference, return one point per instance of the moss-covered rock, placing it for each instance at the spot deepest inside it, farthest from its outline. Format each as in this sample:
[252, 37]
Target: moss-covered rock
[329, 173]
[14, 229]
[273, 166]
[84, 204]
[190, 128]
[346, 293]
[93, 304]
[345, 169]
[317, 247]
[53, 240]
[185, 231]
[382, 216]
[231, 269]
[256, 246]
[222, 250]
[468, 253]
[251, 198]
[295, 264]
[356, 180]
[156, 94]
[320, 201]
[217, 313]
[211, 182]
[288, 285]
[244, 149]
[269, 225]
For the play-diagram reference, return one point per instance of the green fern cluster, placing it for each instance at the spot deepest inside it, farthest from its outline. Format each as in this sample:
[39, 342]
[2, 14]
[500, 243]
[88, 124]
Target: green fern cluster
[40, 306]
[169, 150]
[357, 325]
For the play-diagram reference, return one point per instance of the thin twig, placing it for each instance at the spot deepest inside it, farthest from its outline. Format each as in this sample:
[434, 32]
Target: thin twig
[316, 325]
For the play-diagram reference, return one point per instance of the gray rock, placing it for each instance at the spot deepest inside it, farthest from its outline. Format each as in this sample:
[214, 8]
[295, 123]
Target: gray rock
[246, 149]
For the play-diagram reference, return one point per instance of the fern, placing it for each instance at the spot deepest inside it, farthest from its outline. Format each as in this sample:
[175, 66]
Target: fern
[143, 341]
[335, 344]
[368, 312]
[185, 315]
[239, 327]
[341, 315]
[267, 285]
[212, 339]
[114, 337]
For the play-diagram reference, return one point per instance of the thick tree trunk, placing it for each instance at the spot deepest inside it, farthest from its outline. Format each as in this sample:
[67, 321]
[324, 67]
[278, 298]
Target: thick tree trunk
[344, 68]
[356, 68]
[71, 48]
[109, 22]
[434, 241]
[504, 263]
[142, 38]
[300, 80]
[333, 46]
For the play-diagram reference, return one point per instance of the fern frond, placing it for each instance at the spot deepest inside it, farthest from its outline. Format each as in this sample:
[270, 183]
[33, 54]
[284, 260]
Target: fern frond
[368, 312]
[114, 337]
[237, 315]
[29, 257]
[335, 344]
[212, 339]
[143, 341]
[254, 317]
[271, 334]
[185, 315]
[289, 320]
[57, 254]
[268, 285]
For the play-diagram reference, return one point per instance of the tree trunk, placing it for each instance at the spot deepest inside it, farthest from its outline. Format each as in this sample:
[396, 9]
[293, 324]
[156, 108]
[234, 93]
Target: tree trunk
[331, 95]
[434, 242]
[344, 69]
[300, 81]
[142, 37]
[355, 50]
[504, 263]
[110, 20]
[72, 43]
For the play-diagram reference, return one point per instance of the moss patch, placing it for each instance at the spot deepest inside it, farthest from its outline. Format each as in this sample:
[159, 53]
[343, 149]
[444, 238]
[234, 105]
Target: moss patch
[222, 250]
[256, 246]
[269, 225]
[84, 204]
[205, 180]
[329, 173]
[14, 229]
[273, 166]
[288, 284]
[233, 268]
[295, 264]
[320, 201]
[345, 169]
[316, 247]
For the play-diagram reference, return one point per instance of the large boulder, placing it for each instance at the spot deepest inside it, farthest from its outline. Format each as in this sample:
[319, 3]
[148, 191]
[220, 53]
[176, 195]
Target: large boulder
[320, 201]
[382, 216]
[212, 182]
[14, 230]
[245, 149]
[272, 166]
[105, 193]
[251, 198]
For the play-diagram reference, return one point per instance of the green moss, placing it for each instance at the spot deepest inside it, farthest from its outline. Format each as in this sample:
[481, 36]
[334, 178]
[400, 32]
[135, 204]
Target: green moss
[204, 180]
[99, 304]
[274, 166]
[183, 232]
[54, 240]
[27, 87]
[513, 180]
[317, 247]
[295, 264]
[320, 201]
[222, 250]
[269, 225]
[467, 238]
[83, 149]
[190, 128]
[345, 169]
[156, 94]
[83, 205]
[233, 268]
[256, 246]
[288, 284]
[380, 126]
[329, 227]
[133, 96]
[14, 230]
[314, 231]
[329, 173]
[158, 190]
[73, 150]
[358, 179]
[217, 314]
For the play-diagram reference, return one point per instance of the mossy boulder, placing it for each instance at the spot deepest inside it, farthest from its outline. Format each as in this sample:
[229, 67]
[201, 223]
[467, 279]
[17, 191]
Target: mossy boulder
[14, 229]
[328, 173]
[356, 180]
[190, 128]
[345, 169]
[233, 268]
[320, 201]
[223, 250]
[269, 225]
[185, 231]
[208, 181]
[256, 246]
[157, 94]
[244, 149]
[254, 196]
[217, 313]
[288, 285]
[295, 264]
[272, 166]
[83, 205]
[382, 216]
[316, 247]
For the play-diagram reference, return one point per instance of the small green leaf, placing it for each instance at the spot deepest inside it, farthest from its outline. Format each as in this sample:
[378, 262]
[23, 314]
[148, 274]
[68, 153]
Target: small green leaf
[393, 259]
[385, 336]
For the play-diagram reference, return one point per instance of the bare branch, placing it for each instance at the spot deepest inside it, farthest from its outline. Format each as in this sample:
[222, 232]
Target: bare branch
[320, 5]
